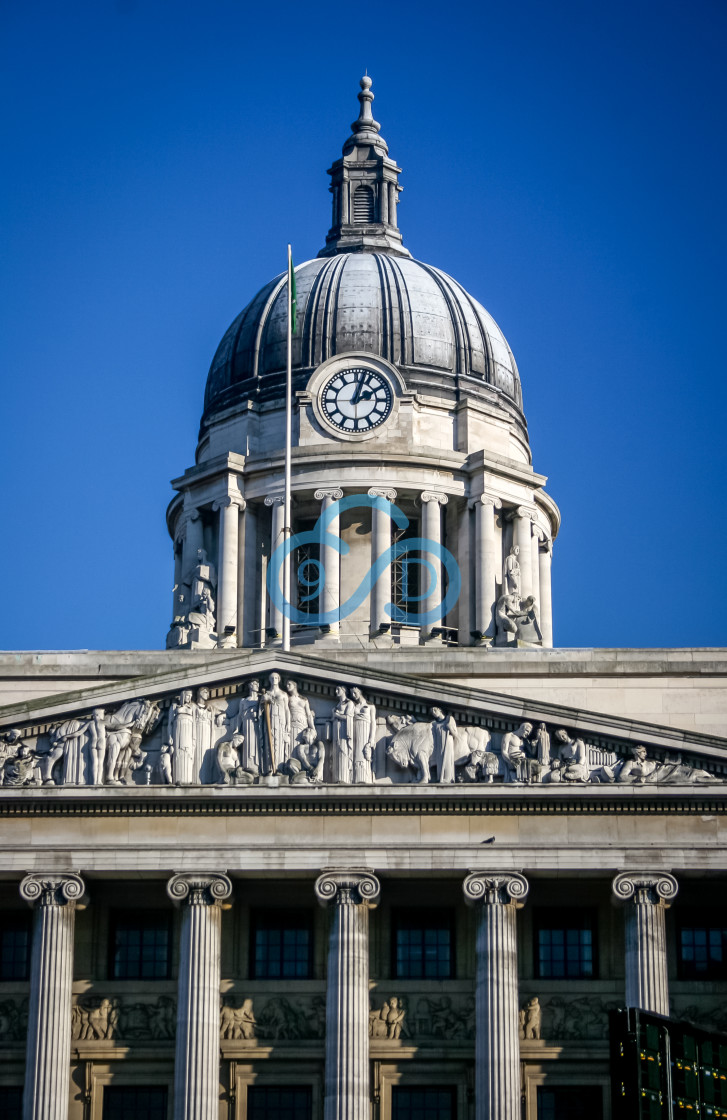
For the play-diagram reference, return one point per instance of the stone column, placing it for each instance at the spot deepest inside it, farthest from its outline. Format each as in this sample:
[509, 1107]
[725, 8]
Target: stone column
[345, 202]
[193, 540]
[392, 205]
[647, 895]
[432, 531]
[48, 1051]
[347, 992]
[522, 519]
[330, 599]
[380, 541]
[197, 1057]
[545, 552]
[488, 564]
[277, 536]
[384, 201]
[497, 897]
[227, 568]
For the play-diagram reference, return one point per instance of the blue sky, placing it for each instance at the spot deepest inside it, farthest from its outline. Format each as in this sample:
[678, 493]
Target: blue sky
[565, 161]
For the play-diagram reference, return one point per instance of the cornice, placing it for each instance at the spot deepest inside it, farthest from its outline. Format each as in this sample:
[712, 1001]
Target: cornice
[330, 800]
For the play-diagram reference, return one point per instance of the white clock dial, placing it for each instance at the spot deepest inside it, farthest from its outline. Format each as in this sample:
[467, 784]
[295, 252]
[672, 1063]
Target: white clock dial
[356, 399]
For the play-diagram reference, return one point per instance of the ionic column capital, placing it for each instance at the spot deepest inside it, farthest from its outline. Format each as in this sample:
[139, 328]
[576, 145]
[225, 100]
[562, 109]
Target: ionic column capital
[382, 492]
[656, 887]
[199, 888]
[274, 500]
[490, 887]
[432, 496]
[333, 492]
[191, 513]
[347, 888]
[485, 500]
[227, 501]
[525, 512]
[52, 890]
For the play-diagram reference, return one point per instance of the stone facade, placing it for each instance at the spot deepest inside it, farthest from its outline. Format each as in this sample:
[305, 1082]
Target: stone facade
[399, 856]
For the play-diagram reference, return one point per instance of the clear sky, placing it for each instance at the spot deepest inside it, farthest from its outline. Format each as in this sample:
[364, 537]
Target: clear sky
[564, 160]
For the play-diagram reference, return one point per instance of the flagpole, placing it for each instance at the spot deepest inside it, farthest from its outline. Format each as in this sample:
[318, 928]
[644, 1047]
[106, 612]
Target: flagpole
[288, 444]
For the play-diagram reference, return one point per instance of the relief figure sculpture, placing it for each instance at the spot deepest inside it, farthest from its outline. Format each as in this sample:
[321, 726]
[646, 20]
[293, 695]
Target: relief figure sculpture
[342, 735]
[364, 737]
[277, 724]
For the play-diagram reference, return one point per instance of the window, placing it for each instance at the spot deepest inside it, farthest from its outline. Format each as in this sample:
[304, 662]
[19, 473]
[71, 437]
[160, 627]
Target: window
[423, 1104]
[11, 1102]
[406, 569]
[307, 570]
[141, 944]
[423, 945]
[570, 1102]
[15, 946]
[565, 944]
[282, 944]
[293, 1103]
[135, 1102]
[702, 946]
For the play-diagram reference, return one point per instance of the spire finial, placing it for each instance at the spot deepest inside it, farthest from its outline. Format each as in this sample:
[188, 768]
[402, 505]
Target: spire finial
[365, 122]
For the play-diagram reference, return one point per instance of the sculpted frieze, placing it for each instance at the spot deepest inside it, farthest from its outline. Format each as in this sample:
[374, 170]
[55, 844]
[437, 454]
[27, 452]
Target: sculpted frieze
[13, 1020]
[278, 1019]
[107, 1018]
[272, 732]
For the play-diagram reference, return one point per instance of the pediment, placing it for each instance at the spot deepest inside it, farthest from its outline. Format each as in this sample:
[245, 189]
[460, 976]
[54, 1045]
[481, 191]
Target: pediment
[378, 731]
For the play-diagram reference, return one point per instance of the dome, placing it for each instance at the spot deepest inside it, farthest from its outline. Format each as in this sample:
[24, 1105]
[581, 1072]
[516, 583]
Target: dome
[417, 317]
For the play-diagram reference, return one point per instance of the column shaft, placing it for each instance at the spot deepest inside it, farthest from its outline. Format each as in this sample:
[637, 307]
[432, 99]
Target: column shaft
[646, 896]
[197, 1057]
[384, 201]
[392, 205]
[330, 558]
[497, 1048]
[347, 1095]
[545, 552]
[522, 537]
[193, 540]
[432, 531]
[228, 568]
[276, 539]
[48, 1049]
[487, 564]
[380, 541]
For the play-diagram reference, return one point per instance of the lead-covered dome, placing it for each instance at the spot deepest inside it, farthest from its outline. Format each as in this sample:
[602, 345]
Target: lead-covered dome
[364, 293]
[417, 317]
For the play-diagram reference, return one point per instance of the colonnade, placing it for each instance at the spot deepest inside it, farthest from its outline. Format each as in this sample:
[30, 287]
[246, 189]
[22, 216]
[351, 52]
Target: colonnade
[350, 892]
[238, 562]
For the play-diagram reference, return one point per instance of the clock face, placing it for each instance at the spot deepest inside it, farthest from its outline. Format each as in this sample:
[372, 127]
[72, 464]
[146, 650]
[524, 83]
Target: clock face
[356, 399]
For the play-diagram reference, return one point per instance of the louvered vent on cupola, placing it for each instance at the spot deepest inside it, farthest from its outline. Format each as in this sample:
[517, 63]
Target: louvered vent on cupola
[363, 205]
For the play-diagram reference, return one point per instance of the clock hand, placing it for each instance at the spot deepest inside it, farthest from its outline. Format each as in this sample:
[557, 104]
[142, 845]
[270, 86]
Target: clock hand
[357, 391]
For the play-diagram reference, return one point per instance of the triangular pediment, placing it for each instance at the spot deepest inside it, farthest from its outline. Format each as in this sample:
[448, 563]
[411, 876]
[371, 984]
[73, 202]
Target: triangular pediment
[478, 738]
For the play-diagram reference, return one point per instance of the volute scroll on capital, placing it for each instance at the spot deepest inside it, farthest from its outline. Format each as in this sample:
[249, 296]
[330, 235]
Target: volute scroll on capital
[657, 887]
[486, 500]
[199, 888]
[353, 887]
[54, 889]
[273, 499]
[490, 887]
[229, 500]
[385, 492]
[333, 492]
[433, 496]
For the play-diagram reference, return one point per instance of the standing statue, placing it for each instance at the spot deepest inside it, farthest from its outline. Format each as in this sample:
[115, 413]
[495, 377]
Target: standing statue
[342, 735]
[181, 733]
[511, 584]
[364, 737]
[531, 1026]
[249, 725]
[444, 732]
[68, 741]
[277, 724]
[301, 715]
[206, 720]
[97, 746]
